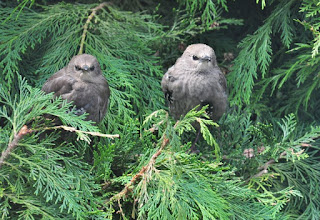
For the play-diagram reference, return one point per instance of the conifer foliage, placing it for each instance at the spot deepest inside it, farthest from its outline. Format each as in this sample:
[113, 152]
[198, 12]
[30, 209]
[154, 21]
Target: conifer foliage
[260, 161]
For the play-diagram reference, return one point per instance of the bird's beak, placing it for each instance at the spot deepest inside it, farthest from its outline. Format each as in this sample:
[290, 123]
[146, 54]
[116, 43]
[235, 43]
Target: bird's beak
[206, 58]
[85, 67]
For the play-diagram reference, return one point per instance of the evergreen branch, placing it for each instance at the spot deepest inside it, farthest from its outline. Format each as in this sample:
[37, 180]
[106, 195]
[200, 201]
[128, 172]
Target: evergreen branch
[25, 130]
[264, 168]
[254, 58]
[208, 10]
[21, 6]
[31, 204]
[263, 3]
[311, 10]
[86, 25]
[141, 173]
[17, 137]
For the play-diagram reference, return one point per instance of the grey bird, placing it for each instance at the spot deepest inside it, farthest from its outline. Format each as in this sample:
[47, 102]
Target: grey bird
[82, 82]
[195, 79]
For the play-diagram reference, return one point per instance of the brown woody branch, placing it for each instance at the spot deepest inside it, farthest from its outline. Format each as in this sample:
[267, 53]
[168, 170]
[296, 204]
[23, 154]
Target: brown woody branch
[25, 130]
[86, 25]
[264, 168]
[129, 186]
[72, 129]
[141, 173]
[17, 137]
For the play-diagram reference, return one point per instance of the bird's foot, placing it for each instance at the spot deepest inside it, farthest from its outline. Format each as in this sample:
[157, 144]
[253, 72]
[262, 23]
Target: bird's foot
[80, 111]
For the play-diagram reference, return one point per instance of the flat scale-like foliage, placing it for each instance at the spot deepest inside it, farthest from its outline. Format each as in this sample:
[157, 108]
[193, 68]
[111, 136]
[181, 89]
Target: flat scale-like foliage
[252, 163]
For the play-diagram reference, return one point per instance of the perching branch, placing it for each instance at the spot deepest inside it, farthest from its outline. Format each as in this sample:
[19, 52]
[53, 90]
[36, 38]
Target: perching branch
[86, 25]
[72, 129]
[17, 137]
[25, 130]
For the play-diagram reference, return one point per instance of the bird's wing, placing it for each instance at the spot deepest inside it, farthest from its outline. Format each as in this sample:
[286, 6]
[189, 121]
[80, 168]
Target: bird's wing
[165, 84]
[59, 83]
[104, 102]
[222, 81]
[217, 99]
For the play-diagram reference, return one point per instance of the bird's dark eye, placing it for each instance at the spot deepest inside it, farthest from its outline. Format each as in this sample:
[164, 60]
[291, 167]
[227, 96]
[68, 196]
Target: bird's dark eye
[194, 57]
[78, 68]
[92, 68]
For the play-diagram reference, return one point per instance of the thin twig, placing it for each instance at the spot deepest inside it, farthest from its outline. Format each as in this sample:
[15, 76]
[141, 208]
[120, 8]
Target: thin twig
[264, 168]
[120, 210]
[72, 129]
[141, 173]
[145, 169]
[86, 25]
[17, 137]
[25, 130]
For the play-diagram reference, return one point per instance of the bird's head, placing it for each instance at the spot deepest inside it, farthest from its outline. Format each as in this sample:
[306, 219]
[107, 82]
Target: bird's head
[84, 66]
[200, 56]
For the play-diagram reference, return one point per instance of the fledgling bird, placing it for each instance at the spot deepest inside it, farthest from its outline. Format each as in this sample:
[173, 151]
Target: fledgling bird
[82, 82]
[195, 79]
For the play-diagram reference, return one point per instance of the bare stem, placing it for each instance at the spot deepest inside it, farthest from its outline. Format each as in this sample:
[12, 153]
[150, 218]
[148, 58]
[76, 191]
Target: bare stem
[17, 137]
[72, 129]
[264, 168]
[86, 25]
[141, 173]
[25, 130]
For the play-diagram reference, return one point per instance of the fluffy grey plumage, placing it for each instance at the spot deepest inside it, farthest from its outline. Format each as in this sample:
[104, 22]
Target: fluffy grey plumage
[82, 82]
[195, 79]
